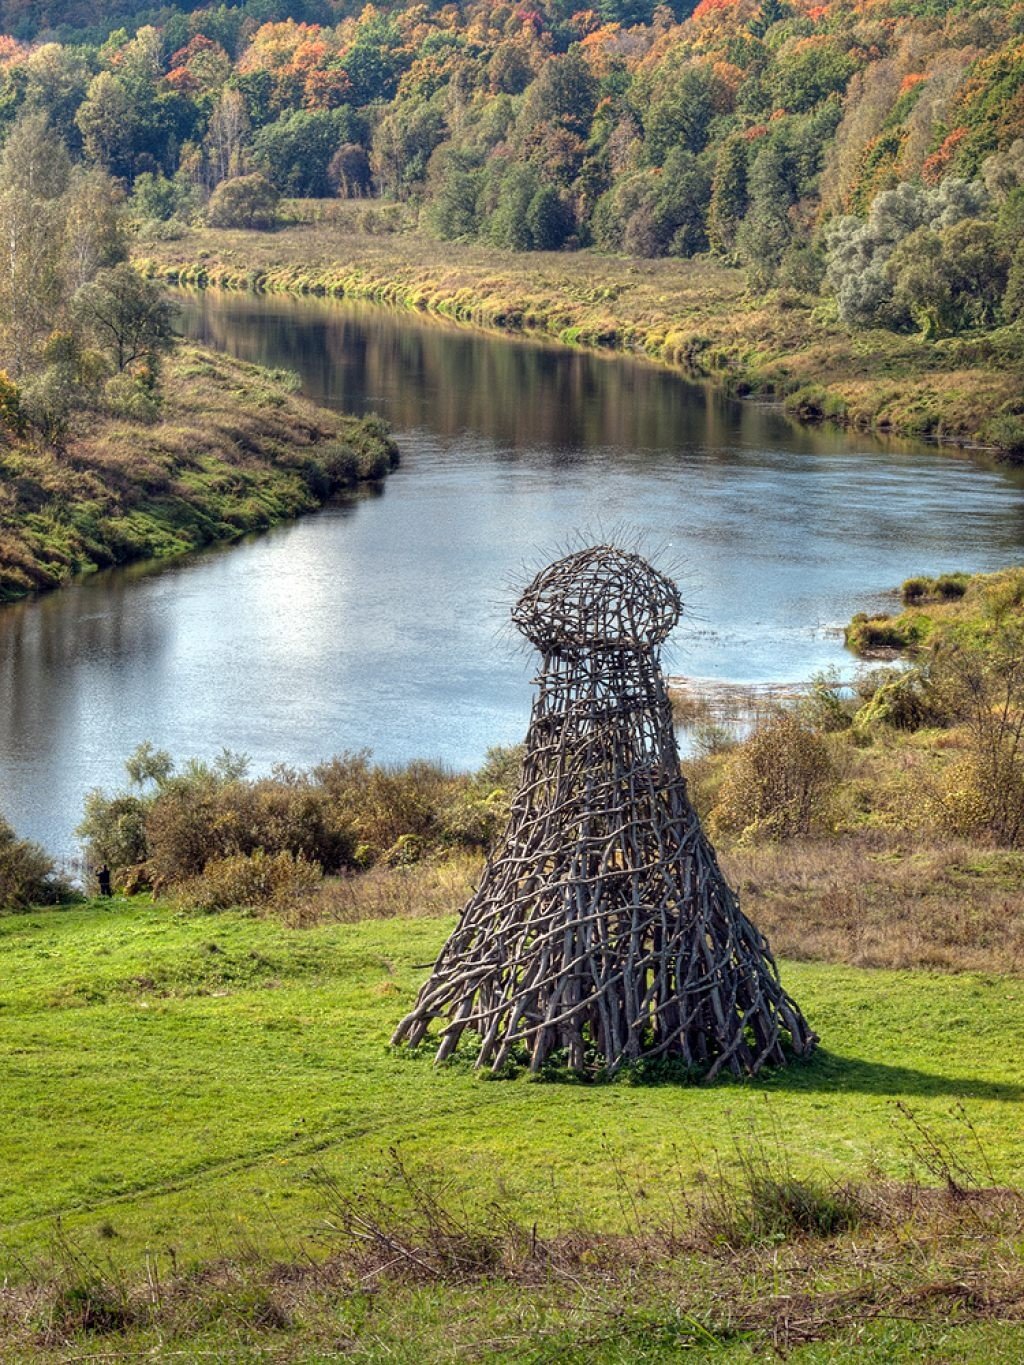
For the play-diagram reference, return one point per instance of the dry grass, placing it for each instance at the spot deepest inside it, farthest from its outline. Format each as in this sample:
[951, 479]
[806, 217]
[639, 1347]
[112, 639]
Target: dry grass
[426, 890]
[696, 313]
[408, 1268]
[867, 899]
[872, 901]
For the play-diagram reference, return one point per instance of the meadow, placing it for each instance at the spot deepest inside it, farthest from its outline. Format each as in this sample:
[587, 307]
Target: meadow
[697, 314]
[189, 1100]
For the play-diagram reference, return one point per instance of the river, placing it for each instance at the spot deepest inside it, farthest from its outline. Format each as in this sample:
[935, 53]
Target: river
[381, 622]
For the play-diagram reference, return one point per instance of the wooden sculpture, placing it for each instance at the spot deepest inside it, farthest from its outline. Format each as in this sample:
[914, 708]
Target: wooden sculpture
[603, 927]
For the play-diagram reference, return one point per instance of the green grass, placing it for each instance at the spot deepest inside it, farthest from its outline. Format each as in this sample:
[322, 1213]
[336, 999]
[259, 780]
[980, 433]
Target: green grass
[171, 1081]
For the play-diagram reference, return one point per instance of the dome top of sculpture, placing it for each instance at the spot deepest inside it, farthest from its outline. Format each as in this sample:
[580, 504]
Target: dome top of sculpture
[598, 598]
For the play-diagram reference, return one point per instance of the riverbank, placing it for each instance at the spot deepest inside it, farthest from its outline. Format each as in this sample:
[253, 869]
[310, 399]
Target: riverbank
[976, 607]
[693, 314]
[235, 449]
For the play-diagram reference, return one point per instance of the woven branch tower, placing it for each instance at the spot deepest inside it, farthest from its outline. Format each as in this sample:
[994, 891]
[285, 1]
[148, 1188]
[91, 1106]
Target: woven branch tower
[602, 922]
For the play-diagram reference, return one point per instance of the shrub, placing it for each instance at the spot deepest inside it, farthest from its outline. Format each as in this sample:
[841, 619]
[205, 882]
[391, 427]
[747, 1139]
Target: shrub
[258, 880]
[157, 199]
[779, 783]
[247, 201]
[982, 683]
[761, 1199]
[915, 590]
[827, 705]
[27, 874]
[949, 587]
[173, 827]
[903, 699]
[869, 634]
[133, 395]
[1007, 432]
[114, 833]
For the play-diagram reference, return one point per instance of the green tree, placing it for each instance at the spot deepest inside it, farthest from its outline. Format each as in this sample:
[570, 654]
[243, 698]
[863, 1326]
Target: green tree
[155, 198]
[978, 264]
[548, 220]
[766, 230]
[228, 137]
[728, 196]
[93, 231]
[680, 115]
[34, 162]
[951, 279]
[107, 121]
[129, 318]
[803, 77]
[248, 201]
[66, 380]
[563, 96]
[372, 71]
[294, 152]
[403, 142]
[508, 225]
[454, 181]
[921, 284]
[1013, 299]
[34, 171]
[56, 79]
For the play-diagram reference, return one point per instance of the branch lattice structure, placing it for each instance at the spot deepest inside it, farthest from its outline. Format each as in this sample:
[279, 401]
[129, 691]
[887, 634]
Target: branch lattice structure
[602, 925]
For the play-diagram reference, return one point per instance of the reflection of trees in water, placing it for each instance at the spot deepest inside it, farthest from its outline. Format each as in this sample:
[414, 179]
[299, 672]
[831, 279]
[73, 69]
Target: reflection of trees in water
[424, 374]
[44, 644]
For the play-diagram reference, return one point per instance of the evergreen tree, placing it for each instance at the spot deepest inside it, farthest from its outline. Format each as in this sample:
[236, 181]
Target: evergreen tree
[728, 196]
[767, 230]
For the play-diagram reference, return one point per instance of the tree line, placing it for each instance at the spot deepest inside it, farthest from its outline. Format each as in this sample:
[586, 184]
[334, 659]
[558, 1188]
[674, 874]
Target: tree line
[876, 154]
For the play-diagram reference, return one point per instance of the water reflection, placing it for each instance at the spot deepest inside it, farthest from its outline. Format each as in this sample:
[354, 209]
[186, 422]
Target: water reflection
[522, 394]
[382, 622]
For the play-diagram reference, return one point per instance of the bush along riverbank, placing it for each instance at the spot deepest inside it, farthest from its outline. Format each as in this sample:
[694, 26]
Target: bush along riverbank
[952, 608]
[696, 314]
[233, 449]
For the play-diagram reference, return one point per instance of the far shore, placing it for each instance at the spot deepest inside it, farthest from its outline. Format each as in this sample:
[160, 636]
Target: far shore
[693, 314]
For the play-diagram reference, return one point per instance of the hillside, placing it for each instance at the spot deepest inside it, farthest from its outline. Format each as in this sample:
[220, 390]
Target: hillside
[234, 449]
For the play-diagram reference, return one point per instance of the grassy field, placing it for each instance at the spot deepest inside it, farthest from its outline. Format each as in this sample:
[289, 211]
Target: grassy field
[171, 1083]
[697, 314]
[234, 449]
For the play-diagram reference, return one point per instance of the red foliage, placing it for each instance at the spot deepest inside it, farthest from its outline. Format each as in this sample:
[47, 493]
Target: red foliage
[531, 18]
[909, 82]
[936, 166]
[11, 50]
[200, 43]
[712, 7]
[182, 80]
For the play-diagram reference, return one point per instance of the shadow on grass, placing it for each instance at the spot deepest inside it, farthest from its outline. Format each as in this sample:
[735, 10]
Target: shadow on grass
[823, 1072]
[829, 1071]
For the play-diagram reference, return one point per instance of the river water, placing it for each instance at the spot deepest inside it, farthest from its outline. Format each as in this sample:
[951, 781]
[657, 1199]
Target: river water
[381, 622]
